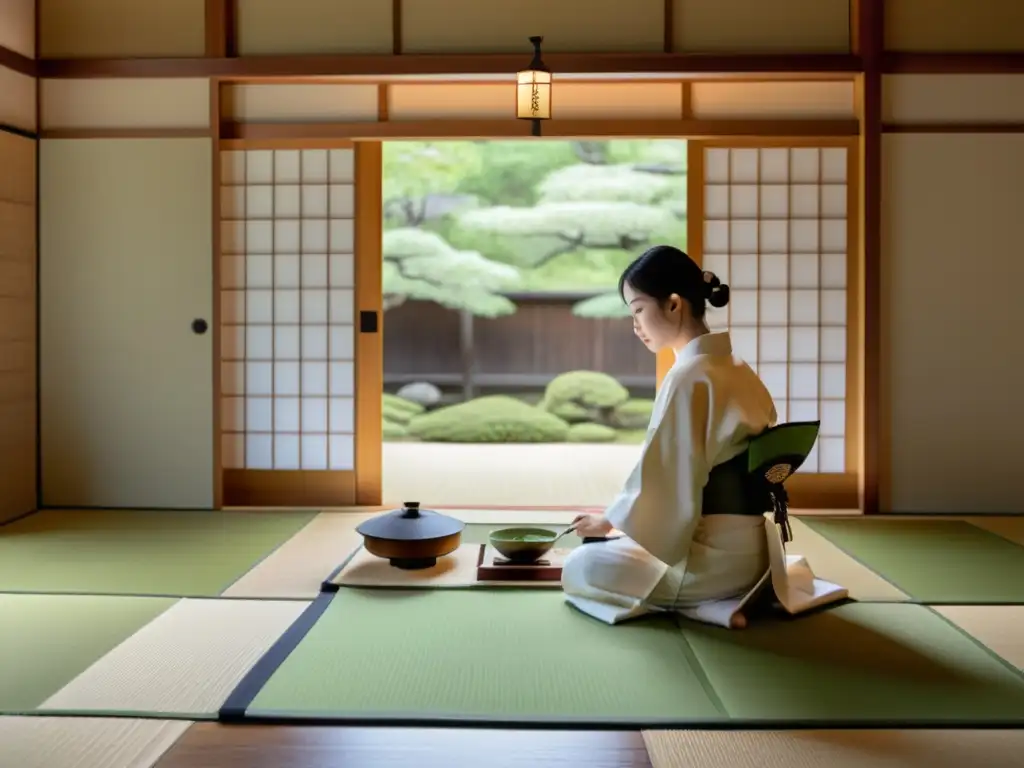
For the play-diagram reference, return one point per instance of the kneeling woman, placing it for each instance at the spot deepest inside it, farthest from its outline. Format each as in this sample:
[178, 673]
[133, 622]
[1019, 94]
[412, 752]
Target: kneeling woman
[679, 551]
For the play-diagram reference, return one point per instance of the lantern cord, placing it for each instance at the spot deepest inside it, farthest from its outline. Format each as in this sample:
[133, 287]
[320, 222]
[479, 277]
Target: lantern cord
[537, 64]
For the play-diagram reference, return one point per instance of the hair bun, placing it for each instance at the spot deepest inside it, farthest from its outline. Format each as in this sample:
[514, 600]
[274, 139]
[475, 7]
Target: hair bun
[715, 291]
[719, 296]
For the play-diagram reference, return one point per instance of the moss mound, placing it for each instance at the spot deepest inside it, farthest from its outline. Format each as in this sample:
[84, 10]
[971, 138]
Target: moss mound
[573, 413]
[591, 433]
[399, 410]
[633, 414]
[491, 419]
[588, 389]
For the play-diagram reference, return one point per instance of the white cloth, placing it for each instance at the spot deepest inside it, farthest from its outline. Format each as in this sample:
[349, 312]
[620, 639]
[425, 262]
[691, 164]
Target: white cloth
[619, 580]
[708, 408]
[796, 589]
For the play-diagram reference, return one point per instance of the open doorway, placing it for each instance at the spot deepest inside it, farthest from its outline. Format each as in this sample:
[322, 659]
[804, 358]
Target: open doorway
[511, 373]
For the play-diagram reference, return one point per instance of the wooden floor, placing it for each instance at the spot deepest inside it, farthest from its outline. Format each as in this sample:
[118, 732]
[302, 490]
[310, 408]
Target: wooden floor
[208, 745]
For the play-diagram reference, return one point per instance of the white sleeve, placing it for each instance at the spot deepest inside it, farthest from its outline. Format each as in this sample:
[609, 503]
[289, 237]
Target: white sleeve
[660, 506]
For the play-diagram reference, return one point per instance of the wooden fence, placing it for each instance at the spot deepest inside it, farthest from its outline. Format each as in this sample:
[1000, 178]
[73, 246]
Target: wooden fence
[521, 352]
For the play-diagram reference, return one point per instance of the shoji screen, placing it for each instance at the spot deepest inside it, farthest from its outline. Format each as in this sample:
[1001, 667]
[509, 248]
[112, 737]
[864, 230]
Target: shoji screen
[778, 228]
[287, 318]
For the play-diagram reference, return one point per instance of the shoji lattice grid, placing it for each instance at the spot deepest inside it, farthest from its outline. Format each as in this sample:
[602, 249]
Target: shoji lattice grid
[287, 316]
[776, 230]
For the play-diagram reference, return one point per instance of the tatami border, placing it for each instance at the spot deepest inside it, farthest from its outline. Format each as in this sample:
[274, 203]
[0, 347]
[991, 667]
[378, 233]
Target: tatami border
[233, 710]
[914, 600]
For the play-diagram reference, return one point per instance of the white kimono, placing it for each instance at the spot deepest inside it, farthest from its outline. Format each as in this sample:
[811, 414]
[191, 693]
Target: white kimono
[672, 557]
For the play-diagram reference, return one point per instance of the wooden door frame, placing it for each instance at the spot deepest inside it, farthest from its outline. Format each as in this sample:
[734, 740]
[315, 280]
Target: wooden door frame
[317, 488]
[369, 349]
[813, 491]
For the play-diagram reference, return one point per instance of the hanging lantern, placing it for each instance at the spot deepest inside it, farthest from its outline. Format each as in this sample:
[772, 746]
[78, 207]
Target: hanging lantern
[533, 90]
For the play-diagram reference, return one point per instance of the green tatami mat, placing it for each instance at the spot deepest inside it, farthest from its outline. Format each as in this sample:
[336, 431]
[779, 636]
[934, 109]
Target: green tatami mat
[48, 640]
[189, 554]
[861, 662]
[478, 534]
[505, 655]
[933, 561]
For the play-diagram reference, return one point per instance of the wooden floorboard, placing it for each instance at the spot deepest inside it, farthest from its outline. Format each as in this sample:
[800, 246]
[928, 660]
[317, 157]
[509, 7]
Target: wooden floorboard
[209, 745]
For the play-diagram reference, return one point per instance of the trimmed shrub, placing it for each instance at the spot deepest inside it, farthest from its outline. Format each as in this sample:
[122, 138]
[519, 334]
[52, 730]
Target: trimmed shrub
[591, 433]
[393, 431]
[399, 410]
[570, 412]
[633, 414]
[589, 389]
[491, 419]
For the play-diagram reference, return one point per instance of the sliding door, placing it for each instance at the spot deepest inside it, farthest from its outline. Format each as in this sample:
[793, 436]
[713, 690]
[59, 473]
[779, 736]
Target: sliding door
[777, 222]
[300, 352]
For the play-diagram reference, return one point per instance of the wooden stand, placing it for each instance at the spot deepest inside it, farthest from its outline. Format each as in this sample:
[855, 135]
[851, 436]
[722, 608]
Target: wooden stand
[491, 566]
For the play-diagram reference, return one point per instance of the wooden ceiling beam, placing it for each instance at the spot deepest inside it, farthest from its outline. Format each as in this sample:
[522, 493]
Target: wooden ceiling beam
[246, 67]
[995, 63]
[484, 129]
[223, 63]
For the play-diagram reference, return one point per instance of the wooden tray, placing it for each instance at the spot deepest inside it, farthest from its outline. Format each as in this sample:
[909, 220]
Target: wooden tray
[491, 566]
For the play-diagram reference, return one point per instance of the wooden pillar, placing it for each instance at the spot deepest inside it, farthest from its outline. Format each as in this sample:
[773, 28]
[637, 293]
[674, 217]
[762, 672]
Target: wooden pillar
[220, 28]
[869, 41]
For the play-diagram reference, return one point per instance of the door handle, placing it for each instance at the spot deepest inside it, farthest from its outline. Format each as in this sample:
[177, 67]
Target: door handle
[368, 321]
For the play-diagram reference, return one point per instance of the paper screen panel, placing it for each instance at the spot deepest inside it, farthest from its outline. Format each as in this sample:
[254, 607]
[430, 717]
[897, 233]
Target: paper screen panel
[938, 99]
[268, 27]
[301, 103]
[945, 26]
[761, 26]
[125, 103]
[775, 230]
[287, 311]
[121, 28]
[504, 26]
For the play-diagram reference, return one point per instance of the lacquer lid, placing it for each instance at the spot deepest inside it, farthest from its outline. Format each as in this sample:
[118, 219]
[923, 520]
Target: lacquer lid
[410, 523]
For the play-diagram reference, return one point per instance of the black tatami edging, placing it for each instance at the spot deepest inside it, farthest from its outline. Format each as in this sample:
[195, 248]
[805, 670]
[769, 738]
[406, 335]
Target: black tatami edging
[238, 702]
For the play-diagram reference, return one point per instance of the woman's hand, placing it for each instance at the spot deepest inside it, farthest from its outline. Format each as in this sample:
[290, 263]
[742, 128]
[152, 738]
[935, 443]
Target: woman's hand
[592, 526]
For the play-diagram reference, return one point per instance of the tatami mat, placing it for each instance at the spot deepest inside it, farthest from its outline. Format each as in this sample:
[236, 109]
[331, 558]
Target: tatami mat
[864, 663]
[297, 568]
[48, 640]
[498, 656]
[832, 564]
[998, 627]
[495, 655]
[85, 742]
[948, 562]
[185, 663]
[835, 749]
[1011, 528]
[139, 552]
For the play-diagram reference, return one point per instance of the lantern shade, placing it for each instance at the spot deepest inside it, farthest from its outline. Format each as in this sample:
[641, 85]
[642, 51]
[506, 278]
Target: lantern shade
[533, 95]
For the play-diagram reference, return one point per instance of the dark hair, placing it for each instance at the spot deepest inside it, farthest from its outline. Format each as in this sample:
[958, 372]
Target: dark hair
[663, 270]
